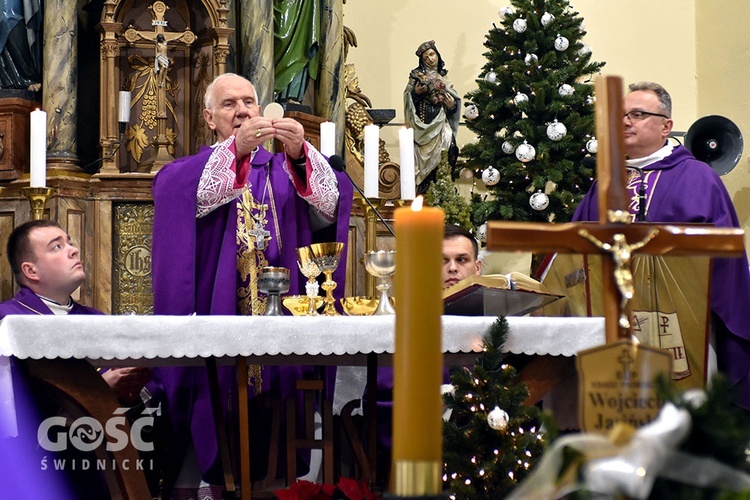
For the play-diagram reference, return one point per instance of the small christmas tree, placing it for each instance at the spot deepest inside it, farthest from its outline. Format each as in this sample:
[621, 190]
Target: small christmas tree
[533, 115]
[443, 193]
[492, 439]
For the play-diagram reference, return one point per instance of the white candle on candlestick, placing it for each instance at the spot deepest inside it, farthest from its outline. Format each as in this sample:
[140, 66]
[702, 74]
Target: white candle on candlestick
[123, 115]
[406, 155]
[38, 146]
[328, 138]
[372, 146]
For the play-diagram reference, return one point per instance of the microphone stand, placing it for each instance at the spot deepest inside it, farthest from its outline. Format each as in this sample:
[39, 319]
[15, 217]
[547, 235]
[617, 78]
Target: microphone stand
[113, 148]
[337, 163]
[369, 205]
[371, 213]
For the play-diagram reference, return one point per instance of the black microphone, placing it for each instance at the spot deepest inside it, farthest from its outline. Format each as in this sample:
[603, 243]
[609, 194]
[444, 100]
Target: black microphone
[641, 194]
[338, 164]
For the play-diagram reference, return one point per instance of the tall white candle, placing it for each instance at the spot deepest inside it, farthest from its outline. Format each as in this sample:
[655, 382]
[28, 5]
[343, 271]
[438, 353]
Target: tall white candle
[38, 157]
[328, 138]
[372, 145]
[123, 115]
[406, 156]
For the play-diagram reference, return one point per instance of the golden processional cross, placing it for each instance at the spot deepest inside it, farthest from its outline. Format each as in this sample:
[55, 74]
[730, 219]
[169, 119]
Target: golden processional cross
[616, 236]
[161, 40]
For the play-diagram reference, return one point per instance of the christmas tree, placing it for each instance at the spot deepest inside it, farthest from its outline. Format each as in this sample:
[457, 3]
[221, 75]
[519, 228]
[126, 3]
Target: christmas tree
[533, 115]
[492, 438]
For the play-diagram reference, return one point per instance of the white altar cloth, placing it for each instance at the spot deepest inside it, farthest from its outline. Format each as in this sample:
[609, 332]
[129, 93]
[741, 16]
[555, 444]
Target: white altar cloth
[341, 340]
[155, 338]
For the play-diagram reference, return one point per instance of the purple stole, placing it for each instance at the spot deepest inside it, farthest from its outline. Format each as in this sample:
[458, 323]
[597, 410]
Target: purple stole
[635, 182]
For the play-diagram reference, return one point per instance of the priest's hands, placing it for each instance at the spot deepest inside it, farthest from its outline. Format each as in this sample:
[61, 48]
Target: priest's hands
[253, 132]
[291, 133]
[127, 383]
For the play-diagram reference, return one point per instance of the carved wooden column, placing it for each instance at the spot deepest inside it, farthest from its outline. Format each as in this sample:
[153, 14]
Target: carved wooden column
[331, 90]
[60, 82]
[255, 36]
[108, 78]
[221, 45]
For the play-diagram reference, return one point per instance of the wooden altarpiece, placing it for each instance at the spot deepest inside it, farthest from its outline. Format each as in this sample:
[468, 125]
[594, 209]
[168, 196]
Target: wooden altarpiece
[166, 119]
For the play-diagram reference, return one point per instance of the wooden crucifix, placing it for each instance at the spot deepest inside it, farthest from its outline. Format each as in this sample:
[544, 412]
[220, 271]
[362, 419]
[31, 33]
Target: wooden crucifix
[161, 40]
[614, 234]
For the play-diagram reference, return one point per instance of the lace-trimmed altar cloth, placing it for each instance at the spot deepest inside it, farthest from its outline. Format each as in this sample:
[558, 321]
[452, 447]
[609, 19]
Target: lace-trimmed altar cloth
[340, 340]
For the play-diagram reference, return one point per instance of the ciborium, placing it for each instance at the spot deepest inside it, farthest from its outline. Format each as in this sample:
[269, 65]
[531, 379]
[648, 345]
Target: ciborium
[382, 265]
[311, 271]
[273, 281]
[327, 257]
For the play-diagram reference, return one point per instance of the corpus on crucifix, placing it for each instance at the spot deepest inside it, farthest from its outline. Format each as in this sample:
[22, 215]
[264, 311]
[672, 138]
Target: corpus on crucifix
[161, 40]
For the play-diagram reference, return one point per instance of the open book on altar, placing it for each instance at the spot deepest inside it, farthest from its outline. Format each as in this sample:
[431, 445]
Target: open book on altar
[512, 294]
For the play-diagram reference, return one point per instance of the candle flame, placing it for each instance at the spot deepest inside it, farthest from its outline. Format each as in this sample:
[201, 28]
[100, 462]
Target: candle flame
[416, 205]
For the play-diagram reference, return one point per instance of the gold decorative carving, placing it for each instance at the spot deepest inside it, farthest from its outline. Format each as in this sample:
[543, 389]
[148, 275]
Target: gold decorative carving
[221, 54]
[166, 107]
[201, 133]
[131, 267]
[109, 49]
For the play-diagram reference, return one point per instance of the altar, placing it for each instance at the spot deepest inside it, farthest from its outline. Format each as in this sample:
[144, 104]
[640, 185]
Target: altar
[342, 341]
[326, 340]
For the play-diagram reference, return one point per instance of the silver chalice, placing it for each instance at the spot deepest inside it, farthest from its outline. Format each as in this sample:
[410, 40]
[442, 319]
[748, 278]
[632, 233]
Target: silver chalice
[382, 264]
[273, 281]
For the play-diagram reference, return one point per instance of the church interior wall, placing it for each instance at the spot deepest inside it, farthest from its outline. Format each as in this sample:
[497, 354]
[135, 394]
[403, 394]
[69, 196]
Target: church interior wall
[723, 69]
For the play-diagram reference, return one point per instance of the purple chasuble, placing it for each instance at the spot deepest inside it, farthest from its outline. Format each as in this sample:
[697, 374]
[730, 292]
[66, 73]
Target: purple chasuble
[194, 270]
[21, 456]
[681, 189]
[27, 302]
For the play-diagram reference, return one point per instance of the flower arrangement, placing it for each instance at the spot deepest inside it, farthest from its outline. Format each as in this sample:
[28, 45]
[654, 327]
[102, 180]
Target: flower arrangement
[345, 489]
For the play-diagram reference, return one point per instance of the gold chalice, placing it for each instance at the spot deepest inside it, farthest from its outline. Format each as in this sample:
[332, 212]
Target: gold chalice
[382, 264]
[327, 257]
[308, 267]
[273, 281]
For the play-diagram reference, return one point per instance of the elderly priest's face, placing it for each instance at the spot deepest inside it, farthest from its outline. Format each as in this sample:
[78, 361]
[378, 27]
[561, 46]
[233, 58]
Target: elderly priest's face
[459, 260]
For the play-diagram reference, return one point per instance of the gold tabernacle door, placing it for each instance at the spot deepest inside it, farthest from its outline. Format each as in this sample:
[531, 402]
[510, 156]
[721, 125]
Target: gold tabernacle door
[514, 294]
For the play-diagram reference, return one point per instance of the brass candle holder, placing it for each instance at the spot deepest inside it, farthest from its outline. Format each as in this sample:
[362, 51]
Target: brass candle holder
[371, 233]
[38, 197]
[327, 257]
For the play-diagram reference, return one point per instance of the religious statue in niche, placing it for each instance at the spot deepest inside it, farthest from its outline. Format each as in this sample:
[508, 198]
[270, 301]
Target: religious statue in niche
[20, 44]
[431, 107]
[297, 37]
